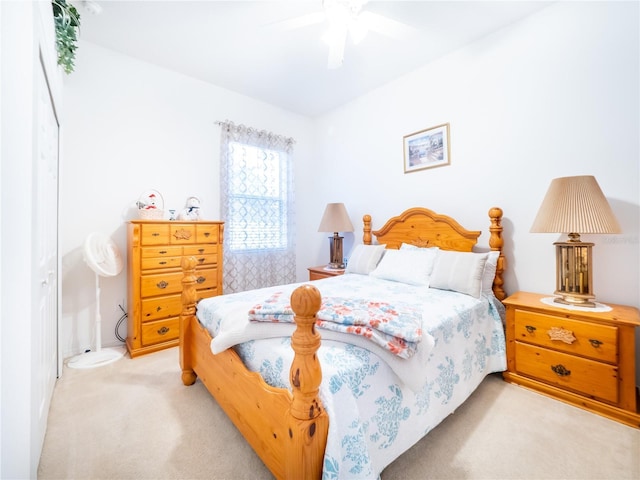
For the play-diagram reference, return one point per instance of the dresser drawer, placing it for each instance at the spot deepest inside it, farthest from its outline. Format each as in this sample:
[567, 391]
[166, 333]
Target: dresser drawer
[160, 284]
[318, 276]
[160, 251]
[154, 234]
[596, 341]
[160, 331]
[160, 262]
[206, 278]
[206, 259]
[182, 234]
[588, 377]
[207, 233]
[203, 249]
[160, 307]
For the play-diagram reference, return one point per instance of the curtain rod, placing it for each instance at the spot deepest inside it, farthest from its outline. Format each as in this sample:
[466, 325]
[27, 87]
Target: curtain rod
[229, 125]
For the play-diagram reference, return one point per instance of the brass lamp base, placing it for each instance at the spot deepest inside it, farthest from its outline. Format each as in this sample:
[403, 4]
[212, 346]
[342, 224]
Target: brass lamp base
[335, 247]
[574, 301]
[574, 280]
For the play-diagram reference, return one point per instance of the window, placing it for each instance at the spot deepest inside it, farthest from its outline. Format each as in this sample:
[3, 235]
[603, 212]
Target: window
[256, 188]
[257, 216]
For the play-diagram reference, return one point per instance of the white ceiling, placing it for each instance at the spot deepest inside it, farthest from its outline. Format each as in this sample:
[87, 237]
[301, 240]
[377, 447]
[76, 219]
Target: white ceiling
[241, 46]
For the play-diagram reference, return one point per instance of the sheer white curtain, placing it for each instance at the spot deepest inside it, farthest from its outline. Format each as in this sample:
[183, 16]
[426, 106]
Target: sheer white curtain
[257, 206]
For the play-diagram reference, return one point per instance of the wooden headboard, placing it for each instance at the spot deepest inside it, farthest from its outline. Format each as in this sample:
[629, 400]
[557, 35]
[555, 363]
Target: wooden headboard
[425, 228]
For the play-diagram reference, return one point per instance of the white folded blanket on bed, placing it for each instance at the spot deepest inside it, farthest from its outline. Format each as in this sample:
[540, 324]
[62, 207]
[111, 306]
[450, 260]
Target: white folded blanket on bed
[408, 370]
[394, 327]
[226, 318]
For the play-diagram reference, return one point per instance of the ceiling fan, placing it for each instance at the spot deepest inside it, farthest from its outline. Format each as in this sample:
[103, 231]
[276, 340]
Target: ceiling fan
[348, 18]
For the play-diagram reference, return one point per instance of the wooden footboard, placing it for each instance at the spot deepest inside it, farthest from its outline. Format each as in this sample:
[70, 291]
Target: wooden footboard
[288, 430]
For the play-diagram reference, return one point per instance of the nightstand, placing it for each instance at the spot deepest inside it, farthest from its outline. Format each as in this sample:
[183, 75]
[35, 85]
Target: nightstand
[316, 273]
[585, 358]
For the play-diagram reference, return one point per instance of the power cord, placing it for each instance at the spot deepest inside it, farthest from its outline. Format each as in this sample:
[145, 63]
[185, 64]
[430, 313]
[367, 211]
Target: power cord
[122, 319]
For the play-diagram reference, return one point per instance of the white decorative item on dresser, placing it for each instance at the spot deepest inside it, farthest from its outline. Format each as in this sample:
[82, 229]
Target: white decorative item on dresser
[151, 205]
[191, 210]
[582, 356]
[155, 277]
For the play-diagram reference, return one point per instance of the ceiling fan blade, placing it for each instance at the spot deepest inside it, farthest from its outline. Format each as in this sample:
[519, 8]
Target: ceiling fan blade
[386, 26]
[336, 52]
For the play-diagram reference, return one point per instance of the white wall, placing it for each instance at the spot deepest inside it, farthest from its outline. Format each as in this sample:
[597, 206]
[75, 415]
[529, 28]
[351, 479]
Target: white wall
[553, 95]
[130, 127]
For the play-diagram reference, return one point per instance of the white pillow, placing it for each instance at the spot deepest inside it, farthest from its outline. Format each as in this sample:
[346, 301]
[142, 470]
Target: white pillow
[364, 258]
[412, 266]
[489, 272]
[459, 271]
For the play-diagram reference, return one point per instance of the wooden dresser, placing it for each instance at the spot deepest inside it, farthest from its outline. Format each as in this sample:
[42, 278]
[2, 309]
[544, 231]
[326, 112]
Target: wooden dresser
[585, 358]
[154, 276]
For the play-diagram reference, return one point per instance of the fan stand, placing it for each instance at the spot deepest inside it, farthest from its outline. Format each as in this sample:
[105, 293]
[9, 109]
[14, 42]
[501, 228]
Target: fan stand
[101, 356]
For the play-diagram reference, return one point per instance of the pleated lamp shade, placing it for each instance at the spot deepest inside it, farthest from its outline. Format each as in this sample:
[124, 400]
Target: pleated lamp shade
[575, 205]
[335, 219]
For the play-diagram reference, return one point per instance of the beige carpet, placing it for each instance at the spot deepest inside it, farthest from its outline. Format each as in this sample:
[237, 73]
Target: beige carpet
[134, 419]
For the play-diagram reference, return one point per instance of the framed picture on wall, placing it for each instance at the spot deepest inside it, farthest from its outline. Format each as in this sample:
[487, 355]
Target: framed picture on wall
[427, 149]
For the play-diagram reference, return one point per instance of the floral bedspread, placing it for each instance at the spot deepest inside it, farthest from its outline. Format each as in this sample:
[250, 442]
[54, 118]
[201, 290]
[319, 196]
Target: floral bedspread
[394, 327]
[377, 409]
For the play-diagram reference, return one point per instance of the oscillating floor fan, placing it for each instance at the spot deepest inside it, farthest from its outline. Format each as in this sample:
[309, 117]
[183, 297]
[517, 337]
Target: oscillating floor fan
[103, 257]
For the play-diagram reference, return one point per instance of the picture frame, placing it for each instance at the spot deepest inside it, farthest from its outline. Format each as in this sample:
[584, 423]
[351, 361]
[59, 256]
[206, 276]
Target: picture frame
[427, 148]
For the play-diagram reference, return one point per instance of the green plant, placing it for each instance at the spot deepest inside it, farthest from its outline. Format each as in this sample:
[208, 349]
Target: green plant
[67, 24]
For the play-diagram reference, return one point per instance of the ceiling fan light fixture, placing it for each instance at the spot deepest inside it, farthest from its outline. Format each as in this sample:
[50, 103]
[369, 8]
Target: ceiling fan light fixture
[335, 34]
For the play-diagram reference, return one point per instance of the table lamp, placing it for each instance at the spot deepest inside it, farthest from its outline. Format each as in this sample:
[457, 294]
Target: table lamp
[575, 205]
[335, 219]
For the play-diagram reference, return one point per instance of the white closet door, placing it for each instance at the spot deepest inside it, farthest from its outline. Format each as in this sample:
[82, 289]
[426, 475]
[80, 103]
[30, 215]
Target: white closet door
[45, 216]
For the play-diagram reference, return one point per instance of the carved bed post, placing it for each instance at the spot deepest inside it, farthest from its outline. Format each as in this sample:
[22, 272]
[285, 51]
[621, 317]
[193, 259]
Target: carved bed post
[187, 314]
[307, 420]
[496, 243]
[366, 229]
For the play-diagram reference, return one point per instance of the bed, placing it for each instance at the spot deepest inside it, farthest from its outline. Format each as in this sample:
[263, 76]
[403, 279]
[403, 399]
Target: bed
[371, 405]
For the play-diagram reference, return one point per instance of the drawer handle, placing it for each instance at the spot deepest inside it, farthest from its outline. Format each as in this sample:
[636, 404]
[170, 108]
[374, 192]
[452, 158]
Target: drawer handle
[162, 284]
[155, 234]
[163, 331]
[163, 263]
[162, 252]
[206, 234]
[201, 250]
[595, 343]
[201, 260]
[201, 280]
[530, 329]
[560, 370]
